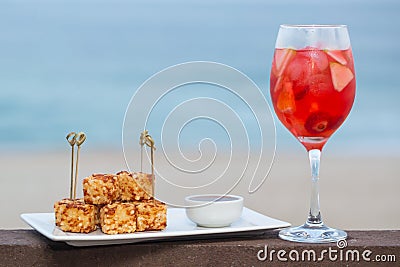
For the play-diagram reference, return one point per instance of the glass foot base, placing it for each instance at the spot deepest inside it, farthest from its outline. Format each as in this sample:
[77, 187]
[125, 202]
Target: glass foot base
[312, 234]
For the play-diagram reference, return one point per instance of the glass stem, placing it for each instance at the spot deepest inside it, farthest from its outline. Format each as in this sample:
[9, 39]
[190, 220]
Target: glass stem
[314, 217]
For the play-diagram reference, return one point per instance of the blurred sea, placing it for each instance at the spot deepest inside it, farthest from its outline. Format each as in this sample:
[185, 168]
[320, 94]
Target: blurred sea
[74, 65]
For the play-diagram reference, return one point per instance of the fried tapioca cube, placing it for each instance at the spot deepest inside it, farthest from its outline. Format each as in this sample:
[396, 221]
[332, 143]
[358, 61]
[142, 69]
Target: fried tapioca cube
[118, 218]
[151, 215]
[100, 189]
[76, 216]
[135, 186]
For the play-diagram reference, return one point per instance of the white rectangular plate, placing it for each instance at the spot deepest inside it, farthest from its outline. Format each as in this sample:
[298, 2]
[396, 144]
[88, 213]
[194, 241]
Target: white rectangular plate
[178, 226]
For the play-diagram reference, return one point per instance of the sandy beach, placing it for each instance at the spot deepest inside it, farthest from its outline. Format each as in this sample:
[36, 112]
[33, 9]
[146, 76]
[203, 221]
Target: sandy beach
[357, 192]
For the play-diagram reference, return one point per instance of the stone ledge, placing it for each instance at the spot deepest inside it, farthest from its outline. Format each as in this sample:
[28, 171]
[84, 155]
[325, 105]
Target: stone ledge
[29, 248]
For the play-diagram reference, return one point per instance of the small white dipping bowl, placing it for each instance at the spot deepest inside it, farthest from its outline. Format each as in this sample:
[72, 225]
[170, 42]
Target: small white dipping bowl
[214, 210]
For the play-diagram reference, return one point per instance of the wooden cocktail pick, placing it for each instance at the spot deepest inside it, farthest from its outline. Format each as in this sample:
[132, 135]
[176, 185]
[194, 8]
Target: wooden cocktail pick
[142, 142]
[75, 139]
[80, 138]
[71, 138]
[146, 139]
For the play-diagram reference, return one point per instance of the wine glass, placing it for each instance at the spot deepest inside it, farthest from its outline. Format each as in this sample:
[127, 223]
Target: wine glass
[312, 86]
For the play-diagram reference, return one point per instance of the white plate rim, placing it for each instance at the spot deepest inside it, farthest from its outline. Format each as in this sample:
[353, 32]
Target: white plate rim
[249, 221]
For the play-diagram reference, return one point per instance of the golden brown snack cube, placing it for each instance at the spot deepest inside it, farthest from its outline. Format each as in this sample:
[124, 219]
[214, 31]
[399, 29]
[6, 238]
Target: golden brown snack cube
[118, 218]
[135, 186]
[151, 215]
[76, 216]
[100, 189]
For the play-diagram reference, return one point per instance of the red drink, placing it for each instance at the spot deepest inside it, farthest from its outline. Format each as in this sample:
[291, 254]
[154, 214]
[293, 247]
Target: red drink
[312, 91]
